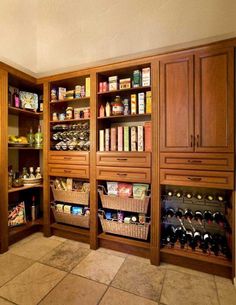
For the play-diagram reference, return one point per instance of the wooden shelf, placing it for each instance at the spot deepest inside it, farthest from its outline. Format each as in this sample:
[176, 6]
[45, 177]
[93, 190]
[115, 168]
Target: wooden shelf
[21, 230]
[69, 228]
[27, 148]
[68, 121]
[25, 112]
[22, 188]
[70, 100]
[124, 240]
[130, 116]
[125, 90]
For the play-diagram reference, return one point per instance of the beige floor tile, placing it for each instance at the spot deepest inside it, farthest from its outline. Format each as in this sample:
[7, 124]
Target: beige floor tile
[66, 256]
[57, 238]
[5, 302]
[182, 288]
[190, 271]
[35, 248]
[30, 286]
[99, 266]
[226, 291]
[11, 265]
[75, 290]
[118, 297]
[27, 239]
[112, 252]
[141, 278]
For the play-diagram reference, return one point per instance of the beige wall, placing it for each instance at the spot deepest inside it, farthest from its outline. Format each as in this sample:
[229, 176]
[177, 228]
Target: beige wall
[74, 33]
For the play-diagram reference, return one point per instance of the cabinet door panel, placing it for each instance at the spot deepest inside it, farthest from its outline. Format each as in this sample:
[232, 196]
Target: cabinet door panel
[176, 103]
[214, 100]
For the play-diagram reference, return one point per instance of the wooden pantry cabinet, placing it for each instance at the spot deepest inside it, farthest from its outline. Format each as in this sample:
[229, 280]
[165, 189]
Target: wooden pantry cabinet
[197, 101]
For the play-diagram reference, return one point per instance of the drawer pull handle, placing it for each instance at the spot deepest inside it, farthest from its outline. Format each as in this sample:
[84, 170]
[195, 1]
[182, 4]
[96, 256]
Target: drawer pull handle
[121, 174]
[194, 179]
[67, 171]
[194, 161]
[121, 159]
[67, 158]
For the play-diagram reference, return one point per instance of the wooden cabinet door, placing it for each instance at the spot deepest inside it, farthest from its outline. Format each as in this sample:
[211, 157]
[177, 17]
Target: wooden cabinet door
[214, 100]
[176, 103]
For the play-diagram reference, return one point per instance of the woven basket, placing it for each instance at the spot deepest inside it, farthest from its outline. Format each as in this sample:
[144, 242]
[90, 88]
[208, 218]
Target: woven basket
[124, 204]
[125, 229]
[71, 196]
[70, 219]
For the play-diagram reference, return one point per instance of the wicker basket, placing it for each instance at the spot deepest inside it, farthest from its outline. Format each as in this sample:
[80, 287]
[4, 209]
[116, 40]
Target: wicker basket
[70, 219]
[124, 204]
[71, 196]
[125, 229]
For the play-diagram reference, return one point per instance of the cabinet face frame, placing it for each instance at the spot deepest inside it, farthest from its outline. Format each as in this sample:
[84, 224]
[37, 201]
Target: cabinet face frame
[183, 64]
[228, 87]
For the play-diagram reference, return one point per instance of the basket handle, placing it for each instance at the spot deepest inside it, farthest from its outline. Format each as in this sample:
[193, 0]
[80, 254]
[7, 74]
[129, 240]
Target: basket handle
[101, 188]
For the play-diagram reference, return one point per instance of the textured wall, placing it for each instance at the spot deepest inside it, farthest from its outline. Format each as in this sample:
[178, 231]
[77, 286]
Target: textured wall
[55, 35]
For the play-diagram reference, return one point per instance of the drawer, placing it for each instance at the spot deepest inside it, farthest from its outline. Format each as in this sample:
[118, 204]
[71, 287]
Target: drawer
[216, 162]
[137, 159]
[73, 171]
[224, 180]
[124, 174]
[69, 157]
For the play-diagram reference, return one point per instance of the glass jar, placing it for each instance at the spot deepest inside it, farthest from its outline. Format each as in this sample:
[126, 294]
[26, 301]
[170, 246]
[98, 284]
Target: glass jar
[117, 106]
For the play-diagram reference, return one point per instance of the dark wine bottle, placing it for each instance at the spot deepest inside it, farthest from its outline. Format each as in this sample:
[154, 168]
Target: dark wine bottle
[170, 194]
[219, 218]
[170, 212]
[179, 194]
[178, 232]
[207, 215]
[206, 241]
[179, 213]
[210, 197]
[189, 238]
[199, 196]
[170, 235]
[197, 237]
[198, 216]
[189, 195]
[220, 198]
[215, 246]
[183, 240]
[188, 214]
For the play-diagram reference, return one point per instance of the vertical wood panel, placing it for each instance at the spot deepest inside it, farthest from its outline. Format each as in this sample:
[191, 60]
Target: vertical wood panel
[4, 161]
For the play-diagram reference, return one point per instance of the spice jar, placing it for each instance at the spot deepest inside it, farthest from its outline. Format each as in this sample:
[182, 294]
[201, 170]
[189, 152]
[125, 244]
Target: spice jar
[53, 94]
[117, 106]
[69, 113]
[54, 116]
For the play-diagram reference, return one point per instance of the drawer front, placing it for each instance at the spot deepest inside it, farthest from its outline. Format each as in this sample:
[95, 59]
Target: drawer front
[137, 159]
[216, 162]
[124, 174]
[71, 157]
[73, 171]
[224, 180]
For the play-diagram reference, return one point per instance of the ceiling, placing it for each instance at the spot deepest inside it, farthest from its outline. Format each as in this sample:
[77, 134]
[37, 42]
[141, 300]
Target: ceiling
[43, 37]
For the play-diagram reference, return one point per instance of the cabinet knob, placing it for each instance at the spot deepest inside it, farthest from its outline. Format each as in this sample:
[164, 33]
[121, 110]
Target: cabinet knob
[195, 179]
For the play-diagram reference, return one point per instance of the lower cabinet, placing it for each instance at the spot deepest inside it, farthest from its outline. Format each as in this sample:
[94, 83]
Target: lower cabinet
[81, 171]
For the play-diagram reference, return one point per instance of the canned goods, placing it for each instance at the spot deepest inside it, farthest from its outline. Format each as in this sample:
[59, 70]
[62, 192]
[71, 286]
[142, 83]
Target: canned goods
[69, 113]
[62, 116]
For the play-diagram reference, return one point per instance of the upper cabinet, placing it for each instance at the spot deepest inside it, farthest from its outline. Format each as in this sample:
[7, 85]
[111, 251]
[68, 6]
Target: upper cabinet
[199, 120]
[176, 103]
[214, 100]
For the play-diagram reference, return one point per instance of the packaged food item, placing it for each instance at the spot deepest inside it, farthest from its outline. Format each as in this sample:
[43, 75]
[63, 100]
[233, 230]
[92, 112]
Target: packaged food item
[108, 215]
[141, 104]
[67, 209]
[100, 86]
[140, 138]
[126, 138]
[62, 116]
[112, 188]
[54, 116]
[120, 138]
[53, 94]
[120, 216]
[69, 113]
[146, 76]
[117, 106]
[113, 139]
[101, 111]
[77, 113]
[86, 187]
[17, 215]
[113, 85]
[127, 220]
[77, 210]
[148, 136]
[134, 219]
[101, 140]
[133, 138]
[137, 76]
[126, 106]
[148, 102]
[125, 189]
[141, 218]
[108, 109]
[133, 104]
[86, 113]
[107, 139]
[69, 184]
[61, 93]
[87, 86]
[69, 95]
[60, 207]
[77, 91]
[140, 190]
[125, 83]
[86, 212]
[104, 87]
[82, 91]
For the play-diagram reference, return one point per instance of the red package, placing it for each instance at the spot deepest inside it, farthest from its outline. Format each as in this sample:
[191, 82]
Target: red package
[125, 189]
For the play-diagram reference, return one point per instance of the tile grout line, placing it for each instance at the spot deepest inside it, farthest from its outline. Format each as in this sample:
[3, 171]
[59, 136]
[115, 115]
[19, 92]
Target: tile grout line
[217, 294]
[164, 278]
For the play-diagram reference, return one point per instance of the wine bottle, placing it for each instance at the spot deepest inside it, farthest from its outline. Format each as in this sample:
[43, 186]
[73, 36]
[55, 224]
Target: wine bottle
[210, 197]
[215, 244]
[188, 214]
[220, 198]
[33, 209]
[207, 215]
[170, 236]
[170, 212]
[170, 194]
[199, 196]
[178, 232]
[189, 195]
[179, 194]
[206, 241]
[179, 213]
[189, 238]
[198, 216]
[183, 240]
[219, 218]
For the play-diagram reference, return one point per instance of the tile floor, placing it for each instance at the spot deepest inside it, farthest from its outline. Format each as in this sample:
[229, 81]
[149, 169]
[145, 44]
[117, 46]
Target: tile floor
[54, 270]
